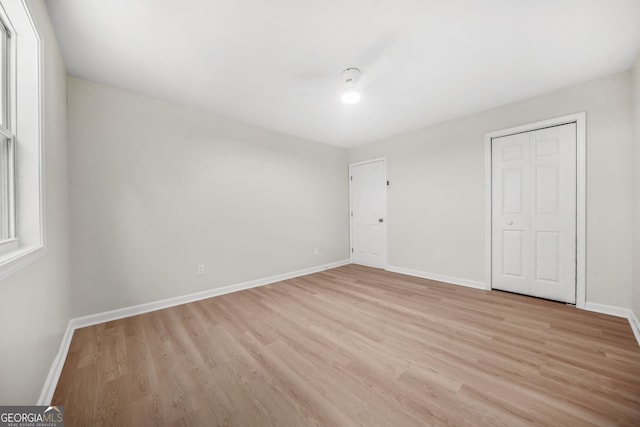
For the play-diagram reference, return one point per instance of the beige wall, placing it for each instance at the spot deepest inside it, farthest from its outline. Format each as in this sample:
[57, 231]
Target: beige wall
[34, 308]
[436, 197]
[157, 189]
[635, 93]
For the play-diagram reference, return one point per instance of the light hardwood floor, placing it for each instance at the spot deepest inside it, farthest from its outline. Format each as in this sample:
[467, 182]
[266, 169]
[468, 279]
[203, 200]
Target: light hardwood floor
[355, 346]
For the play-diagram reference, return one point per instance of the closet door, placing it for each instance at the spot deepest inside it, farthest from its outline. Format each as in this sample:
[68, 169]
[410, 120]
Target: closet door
[510, 207]
[534, 213]
[553, 213]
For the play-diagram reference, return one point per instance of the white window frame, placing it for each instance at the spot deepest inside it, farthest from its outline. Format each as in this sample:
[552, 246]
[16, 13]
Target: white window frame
[8, 239]
[26, 241]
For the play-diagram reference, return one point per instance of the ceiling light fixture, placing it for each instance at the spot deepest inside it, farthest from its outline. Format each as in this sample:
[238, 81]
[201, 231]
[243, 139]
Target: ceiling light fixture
[350, 95]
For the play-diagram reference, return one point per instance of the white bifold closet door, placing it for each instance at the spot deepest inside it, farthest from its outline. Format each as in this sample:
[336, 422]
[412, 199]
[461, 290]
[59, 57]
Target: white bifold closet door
[534, 213]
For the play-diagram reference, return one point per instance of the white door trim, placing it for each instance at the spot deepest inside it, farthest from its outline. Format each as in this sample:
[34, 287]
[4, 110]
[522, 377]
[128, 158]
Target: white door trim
[580, 119]
[384, 168]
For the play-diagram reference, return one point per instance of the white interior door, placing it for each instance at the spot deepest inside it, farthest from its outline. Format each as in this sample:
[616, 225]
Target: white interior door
[510, 207]
[368, 197]
[553, 215]
[534, 213]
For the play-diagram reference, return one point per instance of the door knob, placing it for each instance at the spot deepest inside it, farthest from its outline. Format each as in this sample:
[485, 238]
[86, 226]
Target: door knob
[380, 220]
[510, 223]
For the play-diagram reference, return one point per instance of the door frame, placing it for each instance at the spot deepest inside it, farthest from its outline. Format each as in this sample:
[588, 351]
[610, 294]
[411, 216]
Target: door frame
[580, 119]
[384, 169]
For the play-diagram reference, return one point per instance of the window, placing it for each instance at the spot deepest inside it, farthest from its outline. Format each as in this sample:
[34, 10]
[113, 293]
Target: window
[7, 141]
[21, 186]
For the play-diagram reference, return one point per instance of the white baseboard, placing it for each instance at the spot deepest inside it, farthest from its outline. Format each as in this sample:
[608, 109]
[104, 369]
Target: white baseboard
[618, 312]
[438, 277]
[56, 367]
[80, 322]
[635, 325]
[611, 310]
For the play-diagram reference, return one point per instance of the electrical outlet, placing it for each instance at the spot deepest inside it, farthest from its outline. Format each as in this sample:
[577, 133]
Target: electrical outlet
[316, 251]
[438, 256]
[200, 269]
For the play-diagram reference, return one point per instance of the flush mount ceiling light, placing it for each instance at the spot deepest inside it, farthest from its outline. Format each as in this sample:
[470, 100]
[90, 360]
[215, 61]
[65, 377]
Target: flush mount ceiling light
[354, 82]
[350, 94]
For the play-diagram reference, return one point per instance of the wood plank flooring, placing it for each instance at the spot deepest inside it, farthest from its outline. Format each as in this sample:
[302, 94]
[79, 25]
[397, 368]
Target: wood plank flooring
[355, 346]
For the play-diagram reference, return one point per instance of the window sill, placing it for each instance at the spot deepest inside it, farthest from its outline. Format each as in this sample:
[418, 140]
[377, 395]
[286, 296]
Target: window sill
[19, 258]
[8, 243]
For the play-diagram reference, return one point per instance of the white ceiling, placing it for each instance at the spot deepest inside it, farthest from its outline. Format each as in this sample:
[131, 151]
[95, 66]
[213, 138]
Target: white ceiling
[258, 60]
